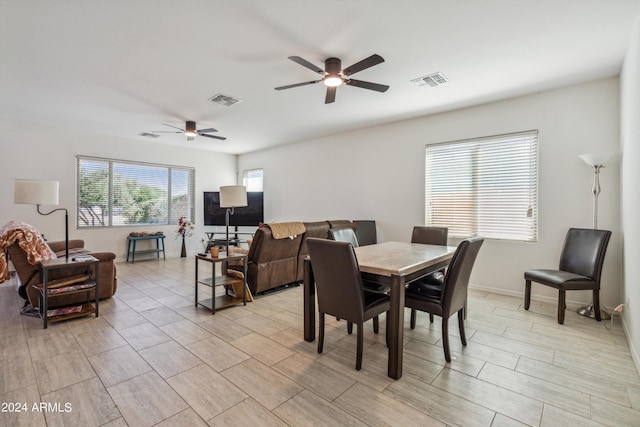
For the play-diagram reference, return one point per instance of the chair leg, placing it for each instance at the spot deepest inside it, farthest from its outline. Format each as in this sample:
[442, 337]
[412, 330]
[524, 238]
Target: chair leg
[527, 294]
[360, 345]
[430, 318]
[376, 325]
[596, 304]
[321, 333]
[562, 295]
[412, 324]
[349, 328]
[463, 337]
[445, 339]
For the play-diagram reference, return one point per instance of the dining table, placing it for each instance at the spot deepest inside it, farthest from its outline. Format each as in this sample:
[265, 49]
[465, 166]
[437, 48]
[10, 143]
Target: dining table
[393, 264]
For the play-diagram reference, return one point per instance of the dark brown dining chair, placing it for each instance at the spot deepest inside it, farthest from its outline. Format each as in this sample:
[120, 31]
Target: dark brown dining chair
[430, 236]
[340, 291]
[346, 234]
[580, 268]
[452, 296]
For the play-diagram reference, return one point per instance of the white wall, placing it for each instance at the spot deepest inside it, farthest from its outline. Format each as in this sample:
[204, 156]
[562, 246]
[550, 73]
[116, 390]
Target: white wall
[630, 178]
[33, 151]
[378, 173]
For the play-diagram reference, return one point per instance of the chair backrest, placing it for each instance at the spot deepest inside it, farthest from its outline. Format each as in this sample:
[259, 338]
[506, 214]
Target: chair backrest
[456, 281]
[430, 235]
[583, 252]
[338, 280]
[344, 234]
[366, 232]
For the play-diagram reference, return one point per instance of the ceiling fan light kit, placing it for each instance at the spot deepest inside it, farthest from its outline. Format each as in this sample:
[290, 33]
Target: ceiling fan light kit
[333, 75]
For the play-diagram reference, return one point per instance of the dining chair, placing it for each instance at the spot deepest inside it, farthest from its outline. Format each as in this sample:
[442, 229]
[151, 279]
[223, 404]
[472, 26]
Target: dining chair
[452, 296]
[430, 236]
[339, 289]
[346, 234]
[580, 268]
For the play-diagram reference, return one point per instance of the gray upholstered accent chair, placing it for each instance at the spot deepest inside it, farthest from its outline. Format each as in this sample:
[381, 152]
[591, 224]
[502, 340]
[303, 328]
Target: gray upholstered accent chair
[580, 268]
[430, 236]
[452, 296]
[340, 291]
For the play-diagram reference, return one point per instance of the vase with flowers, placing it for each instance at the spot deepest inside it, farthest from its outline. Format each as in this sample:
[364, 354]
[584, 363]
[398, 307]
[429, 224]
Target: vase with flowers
[185, 229]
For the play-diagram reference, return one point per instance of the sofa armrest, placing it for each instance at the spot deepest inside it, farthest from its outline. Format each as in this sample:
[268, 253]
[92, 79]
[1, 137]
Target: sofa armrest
[103, 256]
[59, 246]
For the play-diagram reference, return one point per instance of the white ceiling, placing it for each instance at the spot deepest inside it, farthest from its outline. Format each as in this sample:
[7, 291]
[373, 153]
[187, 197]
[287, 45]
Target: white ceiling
[125, 67]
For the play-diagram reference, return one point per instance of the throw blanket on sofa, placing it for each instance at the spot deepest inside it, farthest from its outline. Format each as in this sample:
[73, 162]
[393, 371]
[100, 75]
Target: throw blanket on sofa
[30, 241]
[281, 230]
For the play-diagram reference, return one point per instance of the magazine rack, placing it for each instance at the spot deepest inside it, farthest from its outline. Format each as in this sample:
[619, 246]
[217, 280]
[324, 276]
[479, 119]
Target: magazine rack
[85, 282]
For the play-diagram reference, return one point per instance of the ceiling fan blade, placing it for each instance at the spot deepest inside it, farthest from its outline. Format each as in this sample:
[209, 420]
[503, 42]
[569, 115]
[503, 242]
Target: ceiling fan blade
[298, 84]
[367, 85]
[213, 136]
[331, 95]
[208, 130]
[307, 64]
[175, 127]
[363, 65]
[165, 131]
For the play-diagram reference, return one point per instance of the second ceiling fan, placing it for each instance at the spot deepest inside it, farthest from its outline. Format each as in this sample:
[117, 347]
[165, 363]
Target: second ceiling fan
[333, 75]
[191, 132]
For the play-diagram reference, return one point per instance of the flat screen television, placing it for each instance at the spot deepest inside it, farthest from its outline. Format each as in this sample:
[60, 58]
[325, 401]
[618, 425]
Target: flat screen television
[249, 216]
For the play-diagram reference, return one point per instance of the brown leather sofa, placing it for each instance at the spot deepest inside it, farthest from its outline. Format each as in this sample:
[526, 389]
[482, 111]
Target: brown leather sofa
[30, 274]
[276, 262]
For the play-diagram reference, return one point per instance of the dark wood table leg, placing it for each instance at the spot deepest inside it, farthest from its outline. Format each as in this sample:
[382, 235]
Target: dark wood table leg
[396, 327]
[309, 286]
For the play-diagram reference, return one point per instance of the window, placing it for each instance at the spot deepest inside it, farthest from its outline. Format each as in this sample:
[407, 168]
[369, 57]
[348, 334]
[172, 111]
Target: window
[484, 187]
[252, 179]
[119, 193]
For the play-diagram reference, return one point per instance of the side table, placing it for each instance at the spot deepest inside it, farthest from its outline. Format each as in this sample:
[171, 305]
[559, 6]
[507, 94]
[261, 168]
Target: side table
[80, 283]
[226, 280]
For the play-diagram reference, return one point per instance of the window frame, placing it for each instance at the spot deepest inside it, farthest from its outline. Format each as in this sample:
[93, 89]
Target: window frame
[476, 177]
[110, 163]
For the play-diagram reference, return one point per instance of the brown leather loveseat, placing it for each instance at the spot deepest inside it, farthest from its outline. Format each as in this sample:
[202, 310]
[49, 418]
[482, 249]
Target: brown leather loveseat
[273, 262]
[30, 274]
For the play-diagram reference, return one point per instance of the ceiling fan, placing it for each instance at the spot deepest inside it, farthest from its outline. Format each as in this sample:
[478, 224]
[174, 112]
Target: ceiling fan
[333, 75]
[191, 132]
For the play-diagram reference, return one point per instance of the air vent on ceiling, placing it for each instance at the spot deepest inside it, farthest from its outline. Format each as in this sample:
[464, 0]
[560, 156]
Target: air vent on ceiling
[225, 100]
[148, 135]
[432, 80]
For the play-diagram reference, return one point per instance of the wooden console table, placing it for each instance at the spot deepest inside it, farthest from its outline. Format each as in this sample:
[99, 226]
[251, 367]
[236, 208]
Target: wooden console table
[134, 239]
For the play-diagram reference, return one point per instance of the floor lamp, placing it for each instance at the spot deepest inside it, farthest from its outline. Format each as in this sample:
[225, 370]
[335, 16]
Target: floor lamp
[231, 197]
[596, 161]
[31, 192]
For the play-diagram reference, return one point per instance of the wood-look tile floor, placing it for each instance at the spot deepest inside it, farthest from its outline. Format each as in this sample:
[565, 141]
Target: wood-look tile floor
[152, 358]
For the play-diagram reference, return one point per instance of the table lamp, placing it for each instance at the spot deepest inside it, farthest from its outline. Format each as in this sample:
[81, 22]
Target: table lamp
[32, 192]
[232, 196]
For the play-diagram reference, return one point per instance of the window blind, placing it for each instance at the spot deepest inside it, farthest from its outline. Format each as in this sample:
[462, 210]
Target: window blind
[484, 187]
[119, 193]
[253, 180]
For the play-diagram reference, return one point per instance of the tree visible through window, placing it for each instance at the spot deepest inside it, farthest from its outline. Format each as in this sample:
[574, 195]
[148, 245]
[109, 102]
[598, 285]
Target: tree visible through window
[484, 187]
[120, 193]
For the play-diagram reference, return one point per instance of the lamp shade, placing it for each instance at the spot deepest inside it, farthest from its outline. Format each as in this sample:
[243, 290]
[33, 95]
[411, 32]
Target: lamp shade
[32, 192]
[233, 196]
[595, 159]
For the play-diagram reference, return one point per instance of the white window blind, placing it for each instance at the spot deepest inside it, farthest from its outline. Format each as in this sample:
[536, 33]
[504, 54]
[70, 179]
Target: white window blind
[253, 180]
[120, 193]
[484, 187]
